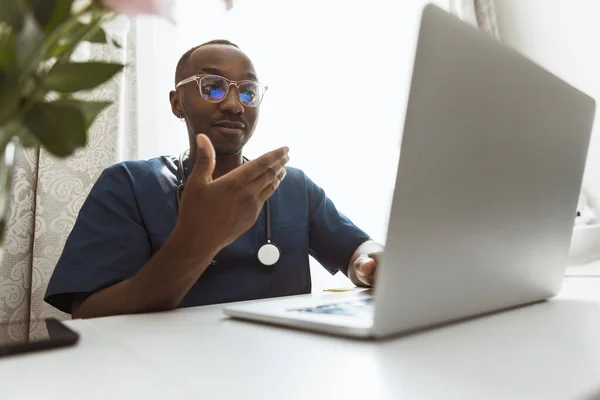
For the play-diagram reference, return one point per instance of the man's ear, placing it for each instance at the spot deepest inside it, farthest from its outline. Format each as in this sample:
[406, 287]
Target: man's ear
[175, 104]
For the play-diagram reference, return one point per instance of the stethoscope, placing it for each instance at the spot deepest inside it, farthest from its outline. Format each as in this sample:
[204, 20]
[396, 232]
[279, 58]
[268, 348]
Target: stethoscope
[268, 254]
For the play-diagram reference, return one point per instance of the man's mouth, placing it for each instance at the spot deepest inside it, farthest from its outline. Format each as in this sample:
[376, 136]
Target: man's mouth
[230, 127]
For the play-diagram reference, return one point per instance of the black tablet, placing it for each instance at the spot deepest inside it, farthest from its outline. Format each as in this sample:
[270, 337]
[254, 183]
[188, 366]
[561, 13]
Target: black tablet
[37, 335]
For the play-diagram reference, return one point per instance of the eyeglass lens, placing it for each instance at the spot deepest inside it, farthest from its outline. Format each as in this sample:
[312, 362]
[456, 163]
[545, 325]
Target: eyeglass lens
[215, 89]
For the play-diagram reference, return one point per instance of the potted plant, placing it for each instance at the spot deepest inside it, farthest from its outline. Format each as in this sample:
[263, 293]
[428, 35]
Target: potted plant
[41, 87]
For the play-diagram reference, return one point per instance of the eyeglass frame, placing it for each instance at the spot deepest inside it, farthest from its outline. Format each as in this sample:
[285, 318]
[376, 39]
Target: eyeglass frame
[198, 77]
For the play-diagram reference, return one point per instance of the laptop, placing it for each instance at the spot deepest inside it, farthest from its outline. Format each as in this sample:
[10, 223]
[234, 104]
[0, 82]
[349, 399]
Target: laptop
[490, 169]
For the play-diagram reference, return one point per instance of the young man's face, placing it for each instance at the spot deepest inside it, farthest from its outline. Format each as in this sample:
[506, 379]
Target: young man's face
[228, 123]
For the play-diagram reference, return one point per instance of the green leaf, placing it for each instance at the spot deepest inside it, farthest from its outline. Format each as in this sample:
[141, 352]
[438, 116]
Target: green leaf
[9, 108]
[12, 13]
[80, 33]
[27, 139]
[74, 77]
[8, 49]
[42, 10]
[51, 13]
[9, 104]
[98, 37]
[29, 40]
[17, 128]
[89, 109]
[58, 50]
[60, 128]
[116, 43]
[8, 85]
[10, 129]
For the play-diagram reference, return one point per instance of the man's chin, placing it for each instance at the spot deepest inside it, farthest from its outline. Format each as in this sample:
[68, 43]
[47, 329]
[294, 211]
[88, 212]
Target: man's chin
[227, 145]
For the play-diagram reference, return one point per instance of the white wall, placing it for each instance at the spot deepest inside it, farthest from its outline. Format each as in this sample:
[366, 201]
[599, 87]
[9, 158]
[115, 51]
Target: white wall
[564, 37]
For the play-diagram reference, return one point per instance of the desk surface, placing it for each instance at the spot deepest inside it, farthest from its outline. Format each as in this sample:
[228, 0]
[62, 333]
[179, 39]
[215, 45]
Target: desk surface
[591, 269]
[549, 350]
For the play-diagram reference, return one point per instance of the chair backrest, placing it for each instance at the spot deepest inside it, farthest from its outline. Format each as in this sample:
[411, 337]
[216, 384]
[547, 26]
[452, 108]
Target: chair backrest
[48, 193]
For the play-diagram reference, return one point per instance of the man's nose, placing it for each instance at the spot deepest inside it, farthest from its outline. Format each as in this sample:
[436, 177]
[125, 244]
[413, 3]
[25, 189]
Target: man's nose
[231, 103]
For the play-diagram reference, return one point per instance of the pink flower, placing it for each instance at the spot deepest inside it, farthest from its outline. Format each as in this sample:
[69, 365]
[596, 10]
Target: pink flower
[136, 7]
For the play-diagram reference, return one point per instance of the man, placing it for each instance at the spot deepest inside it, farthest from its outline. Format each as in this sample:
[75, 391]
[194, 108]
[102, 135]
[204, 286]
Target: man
[143, 241]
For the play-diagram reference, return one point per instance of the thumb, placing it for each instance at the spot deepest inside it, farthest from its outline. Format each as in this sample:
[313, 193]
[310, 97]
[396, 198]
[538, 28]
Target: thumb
[365, 266]
[204, 165]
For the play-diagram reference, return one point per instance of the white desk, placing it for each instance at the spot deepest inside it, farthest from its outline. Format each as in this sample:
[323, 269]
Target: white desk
[545, 351]
[591, 269]
[96, 368]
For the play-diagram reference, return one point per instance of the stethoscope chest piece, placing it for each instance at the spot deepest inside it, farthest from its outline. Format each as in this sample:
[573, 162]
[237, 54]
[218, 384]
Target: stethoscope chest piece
[269, 254]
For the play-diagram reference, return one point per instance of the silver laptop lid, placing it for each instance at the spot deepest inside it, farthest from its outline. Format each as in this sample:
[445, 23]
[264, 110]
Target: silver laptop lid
[490, 169]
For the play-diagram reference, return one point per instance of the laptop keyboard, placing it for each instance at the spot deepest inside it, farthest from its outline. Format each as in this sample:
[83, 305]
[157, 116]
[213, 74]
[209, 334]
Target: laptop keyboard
[353, 307]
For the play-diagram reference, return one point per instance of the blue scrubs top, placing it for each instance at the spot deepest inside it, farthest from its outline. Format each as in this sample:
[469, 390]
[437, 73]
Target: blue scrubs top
[132, 209]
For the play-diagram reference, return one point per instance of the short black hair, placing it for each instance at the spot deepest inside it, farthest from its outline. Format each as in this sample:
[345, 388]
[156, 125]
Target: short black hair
[186, 56]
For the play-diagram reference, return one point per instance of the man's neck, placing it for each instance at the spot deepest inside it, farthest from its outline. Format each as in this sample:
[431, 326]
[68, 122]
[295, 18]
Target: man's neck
[223, 164]
[226, 164]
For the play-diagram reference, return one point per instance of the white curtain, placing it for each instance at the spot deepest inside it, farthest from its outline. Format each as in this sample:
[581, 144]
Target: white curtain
[480, 13]
[48, 192]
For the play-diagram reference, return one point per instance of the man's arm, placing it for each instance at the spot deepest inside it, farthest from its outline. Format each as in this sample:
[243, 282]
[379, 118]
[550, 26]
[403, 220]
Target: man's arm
[333, 238]
[364, 262]
[160, 285]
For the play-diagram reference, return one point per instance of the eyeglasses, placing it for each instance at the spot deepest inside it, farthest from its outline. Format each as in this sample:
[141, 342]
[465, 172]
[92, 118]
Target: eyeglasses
[214, 88]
